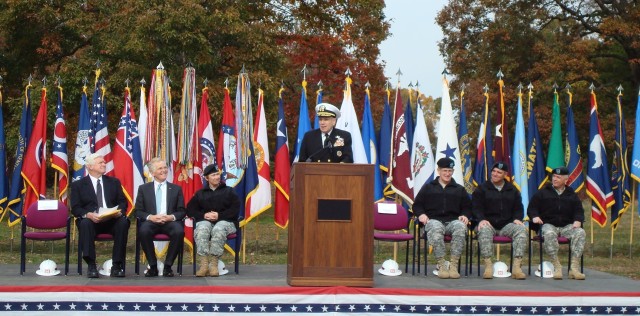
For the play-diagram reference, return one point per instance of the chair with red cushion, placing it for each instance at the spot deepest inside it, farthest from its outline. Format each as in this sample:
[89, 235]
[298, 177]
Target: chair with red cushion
[535, 235]
[156, 237]
[45, 225]
[99, 237]
[393, 227]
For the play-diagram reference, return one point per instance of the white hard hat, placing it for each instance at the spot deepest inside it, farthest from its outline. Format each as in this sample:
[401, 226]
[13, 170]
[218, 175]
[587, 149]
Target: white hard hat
[48, 268]
[106, 268]
[500, 270]
[446, 267]
[222, 269]
[390, 268]
[548, 270]
[160, 265]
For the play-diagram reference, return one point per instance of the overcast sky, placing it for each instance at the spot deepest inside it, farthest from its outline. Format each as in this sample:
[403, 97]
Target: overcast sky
[413, 44]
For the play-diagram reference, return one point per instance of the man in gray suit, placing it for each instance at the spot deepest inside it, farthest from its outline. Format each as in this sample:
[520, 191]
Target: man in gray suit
[160, 208]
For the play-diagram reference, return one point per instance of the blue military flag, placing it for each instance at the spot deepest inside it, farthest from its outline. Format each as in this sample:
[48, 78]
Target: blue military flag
[635, 157]
[4, 180]
[535, 155]
[620, 169]
[463, 139]
[385, 143]
[17, 189]
[304, 125]
[316, 120]
[519, 157]
[598, 181]
[408, 116]
[370, 146]
[83, 145]
[573, 155]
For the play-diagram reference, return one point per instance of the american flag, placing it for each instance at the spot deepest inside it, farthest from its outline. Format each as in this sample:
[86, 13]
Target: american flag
[99, 136]
[59, 158]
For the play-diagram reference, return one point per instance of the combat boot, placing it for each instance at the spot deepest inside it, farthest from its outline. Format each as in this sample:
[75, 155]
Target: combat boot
[557, 269]
[574, 271]
[204, 266]
[213, 266]
[443, 273]
[488, 269]
[453, 268]
[517, 269]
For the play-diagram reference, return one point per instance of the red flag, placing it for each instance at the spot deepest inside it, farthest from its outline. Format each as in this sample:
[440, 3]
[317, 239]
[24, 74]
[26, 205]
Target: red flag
[127, 157]
[501, 142]
[260, 201]
[34, 166]
[205, 158]
[282, 169]
[226, 157]
[400, 170]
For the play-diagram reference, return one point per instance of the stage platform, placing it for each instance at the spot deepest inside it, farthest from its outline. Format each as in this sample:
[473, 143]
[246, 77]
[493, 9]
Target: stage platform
[262, 289]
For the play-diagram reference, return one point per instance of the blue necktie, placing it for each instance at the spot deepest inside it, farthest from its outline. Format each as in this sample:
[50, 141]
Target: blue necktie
[158, 198]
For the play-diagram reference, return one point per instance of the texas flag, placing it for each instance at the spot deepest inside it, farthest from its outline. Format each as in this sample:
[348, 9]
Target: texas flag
[282, 169]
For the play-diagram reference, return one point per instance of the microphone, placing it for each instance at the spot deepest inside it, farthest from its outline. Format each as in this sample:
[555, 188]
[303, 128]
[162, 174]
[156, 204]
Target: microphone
[328, 145]
[317, 152]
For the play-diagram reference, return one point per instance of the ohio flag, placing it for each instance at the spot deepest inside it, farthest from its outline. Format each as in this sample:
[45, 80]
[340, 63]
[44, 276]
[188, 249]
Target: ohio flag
[59, 158]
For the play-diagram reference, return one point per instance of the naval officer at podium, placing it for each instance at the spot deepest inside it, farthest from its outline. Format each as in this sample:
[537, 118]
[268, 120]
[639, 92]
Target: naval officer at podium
[327, 143]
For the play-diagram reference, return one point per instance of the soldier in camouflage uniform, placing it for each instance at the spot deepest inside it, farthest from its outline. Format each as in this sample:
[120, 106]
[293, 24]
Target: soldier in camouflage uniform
[497, 207]
[558, 209]
[215, 210]
[444, 207]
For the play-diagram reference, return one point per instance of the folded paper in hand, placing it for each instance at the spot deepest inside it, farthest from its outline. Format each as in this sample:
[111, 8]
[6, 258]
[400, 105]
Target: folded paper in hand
[104, 212]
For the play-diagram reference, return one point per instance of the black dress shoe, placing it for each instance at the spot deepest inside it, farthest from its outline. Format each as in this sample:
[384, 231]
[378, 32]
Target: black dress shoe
[167, 272]
[117, 271]
[151, 272]
[92, 272]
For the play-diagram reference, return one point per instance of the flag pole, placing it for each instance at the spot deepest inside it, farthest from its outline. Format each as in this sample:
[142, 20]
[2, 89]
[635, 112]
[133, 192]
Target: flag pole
[633, 211]
[611, 244]
[244, 246]
[591, 237]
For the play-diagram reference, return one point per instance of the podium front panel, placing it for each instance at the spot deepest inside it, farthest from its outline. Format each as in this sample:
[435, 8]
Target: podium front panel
[331, 225]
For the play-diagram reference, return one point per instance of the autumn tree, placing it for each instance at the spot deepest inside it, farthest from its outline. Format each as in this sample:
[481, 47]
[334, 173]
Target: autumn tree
[544, 42]
[272, 40]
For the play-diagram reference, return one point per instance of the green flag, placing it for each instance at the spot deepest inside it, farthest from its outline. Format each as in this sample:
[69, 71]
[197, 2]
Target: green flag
[555, 158]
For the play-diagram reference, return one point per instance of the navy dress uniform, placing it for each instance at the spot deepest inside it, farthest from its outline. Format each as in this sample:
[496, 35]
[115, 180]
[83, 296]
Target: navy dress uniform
[333, 145]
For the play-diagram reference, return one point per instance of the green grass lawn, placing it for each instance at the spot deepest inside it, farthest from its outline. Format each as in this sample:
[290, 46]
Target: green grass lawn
[266, 243]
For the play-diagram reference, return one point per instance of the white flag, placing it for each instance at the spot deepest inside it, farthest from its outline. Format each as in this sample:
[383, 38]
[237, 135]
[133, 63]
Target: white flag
[422, 163]
[348, 121]
[447, 137]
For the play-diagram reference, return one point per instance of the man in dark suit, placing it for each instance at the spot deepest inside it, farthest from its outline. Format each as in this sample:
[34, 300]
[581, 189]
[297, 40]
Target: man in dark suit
[160, 208]
[88, 195]
[327, 143]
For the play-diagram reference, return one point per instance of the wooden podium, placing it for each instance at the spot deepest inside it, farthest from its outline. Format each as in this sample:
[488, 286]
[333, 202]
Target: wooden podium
[331, 225]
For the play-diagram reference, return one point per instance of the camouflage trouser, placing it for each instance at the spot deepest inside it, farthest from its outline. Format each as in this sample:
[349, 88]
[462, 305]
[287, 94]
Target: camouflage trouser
[575, 235]
[436, 230]
[210, 238]
[518, 233]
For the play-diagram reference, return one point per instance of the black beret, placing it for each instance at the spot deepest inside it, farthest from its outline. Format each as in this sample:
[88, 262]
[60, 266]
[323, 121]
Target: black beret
[212, 168]
[446, 162]
[501, 165]
[560, 170]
